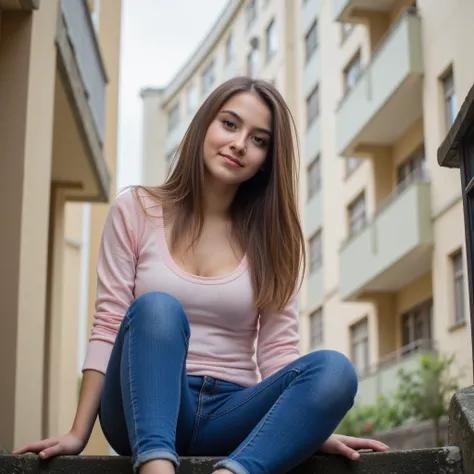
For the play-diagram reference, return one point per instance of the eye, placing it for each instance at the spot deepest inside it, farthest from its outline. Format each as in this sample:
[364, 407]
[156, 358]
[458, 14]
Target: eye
[229, 124]
[259, 141]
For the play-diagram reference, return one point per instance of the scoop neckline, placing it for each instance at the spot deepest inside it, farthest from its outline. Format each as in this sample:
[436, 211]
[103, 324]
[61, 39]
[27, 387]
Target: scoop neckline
[176, 269]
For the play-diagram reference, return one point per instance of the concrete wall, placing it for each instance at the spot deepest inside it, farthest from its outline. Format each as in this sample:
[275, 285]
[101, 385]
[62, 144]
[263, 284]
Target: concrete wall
[26, 118]
[42, 245]
[109, 37]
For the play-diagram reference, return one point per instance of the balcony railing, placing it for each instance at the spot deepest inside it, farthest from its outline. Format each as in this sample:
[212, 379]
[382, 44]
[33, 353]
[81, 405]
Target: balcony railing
[356, 10]
[381, 378]
[386, 99]
[394, 246]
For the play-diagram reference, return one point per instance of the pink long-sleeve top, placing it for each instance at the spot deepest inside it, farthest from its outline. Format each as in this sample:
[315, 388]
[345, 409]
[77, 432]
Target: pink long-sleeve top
[226, 327]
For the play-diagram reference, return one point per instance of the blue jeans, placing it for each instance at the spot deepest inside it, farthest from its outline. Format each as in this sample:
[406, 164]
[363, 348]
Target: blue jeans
[151, 409]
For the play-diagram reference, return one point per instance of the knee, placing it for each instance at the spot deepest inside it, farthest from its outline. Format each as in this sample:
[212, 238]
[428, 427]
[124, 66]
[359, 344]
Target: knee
[160, 311]
[335, 377]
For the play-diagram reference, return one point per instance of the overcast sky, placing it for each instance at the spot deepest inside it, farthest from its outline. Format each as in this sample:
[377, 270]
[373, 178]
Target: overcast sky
[158, 37]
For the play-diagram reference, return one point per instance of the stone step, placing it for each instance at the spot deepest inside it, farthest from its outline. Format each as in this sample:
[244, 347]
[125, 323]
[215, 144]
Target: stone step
[445, 460]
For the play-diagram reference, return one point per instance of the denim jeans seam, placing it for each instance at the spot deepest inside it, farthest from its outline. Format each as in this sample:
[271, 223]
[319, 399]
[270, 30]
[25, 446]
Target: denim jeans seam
[223, 464]
[175, 461]
[198, 418]
[264, 419]
[243, 402]
[132, 392]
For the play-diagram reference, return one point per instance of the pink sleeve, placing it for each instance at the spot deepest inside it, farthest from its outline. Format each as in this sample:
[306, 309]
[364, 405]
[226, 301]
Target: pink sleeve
[118, 255]
[278, 339]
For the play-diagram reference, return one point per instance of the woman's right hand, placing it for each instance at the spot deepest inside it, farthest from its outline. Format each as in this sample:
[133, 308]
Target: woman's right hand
[61, 445]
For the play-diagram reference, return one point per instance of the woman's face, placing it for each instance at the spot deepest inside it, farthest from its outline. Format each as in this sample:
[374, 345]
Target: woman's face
[237, 141]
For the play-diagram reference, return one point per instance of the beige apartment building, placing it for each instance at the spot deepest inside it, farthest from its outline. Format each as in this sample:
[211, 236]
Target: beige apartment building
[59, 68]
[374, 86]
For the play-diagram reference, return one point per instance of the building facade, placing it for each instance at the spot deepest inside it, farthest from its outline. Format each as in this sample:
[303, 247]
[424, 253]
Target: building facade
[374, 85]
[59, 67]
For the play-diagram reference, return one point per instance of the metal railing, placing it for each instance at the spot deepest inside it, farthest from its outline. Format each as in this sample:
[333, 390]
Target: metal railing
[417, 347]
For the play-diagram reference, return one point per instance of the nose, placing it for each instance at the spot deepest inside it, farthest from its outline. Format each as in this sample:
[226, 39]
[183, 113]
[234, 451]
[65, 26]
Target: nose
[238, 145]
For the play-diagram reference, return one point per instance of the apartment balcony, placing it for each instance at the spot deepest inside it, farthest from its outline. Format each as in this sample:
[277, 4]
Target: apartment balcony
[387, 98]
[393, 249]
[354, 11]
[79, 164]
[382, 379]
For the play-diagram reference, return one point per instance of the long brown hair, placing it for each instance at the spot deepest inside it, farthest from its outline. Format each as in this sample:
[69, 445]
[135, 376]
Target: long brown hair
[264, 211]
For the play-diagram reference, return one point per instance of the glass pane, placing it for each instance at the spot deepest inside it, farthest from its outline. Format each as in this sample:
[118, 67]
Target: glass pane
[459, 295]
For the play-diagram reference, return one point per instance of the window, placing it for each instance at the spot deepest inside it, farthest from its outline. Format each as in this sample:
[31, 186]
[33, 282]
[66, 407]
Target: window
[352, 72]
[411, 169]
[458, 282]
[191, 99]
[346, 30]
[416, 327]
[252, 63]
[357, 216]
[360, 346]
[251, 12]
[315, 251]
[229, 49]
[173, 117]
[271, 40]
[316, 328]
[351, 164]
[311, 41]
[208, 78]
[450, 101]
[312, 106]
[314, 177]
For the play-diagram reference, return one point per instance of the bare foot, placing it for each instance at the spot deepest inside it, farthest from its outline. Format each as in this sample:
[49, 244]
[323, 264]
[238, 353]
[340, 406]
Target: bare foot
[157, 466]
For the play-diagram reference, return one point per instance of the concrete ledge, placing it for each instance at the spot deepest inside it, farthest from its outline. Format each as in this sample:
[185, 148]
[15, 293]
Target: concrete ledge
[461, 426]
[423, 461]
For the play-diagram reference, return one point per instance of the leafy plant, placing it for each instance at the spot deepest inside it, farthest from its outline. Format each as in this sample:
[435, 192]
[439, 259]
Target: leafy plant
[363, 420]
[424, 393]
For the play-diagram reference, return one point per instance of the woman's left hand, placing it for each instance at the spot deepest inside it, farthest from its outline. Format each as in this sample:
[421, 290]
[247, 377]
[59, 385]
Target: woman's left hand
[347, 446]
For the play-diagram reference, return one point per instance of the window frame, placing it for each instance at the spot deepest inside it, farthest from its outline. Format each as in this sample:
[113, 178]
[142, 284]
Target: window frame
[174, 116]
[271, 32]
[312, 117]
[315, 250]
[449, 97]
[316, 320]
[314, 182]
[358, 339]
[356, 59]
[309, 51]
[208, 77]
[458, 283]
[353, 229]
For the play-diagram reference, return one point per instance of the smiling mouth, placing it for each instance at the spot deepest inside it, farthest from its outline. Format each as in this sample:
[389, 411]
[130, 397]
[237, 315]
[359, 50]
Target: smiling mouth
[230, 158]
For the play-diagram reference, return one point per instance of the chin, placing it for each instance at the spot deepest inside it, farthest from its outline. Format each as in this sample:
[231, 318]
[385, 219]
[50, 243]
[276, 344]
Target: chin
[226, 176]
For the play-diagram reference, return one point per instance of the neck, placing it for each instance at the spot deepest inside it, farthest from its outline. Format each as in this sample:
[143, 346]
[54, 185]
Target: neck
[218, 198]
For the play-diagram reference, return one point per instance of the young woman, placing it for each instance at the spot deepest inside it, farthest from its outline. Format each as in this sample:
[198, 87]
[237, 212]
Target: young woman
[195, 277]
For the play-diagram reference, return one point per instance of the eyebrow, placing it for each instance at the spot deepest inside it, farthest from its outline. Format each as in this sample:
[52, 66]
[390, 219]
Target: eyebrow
[237, 116]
